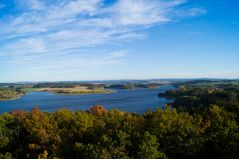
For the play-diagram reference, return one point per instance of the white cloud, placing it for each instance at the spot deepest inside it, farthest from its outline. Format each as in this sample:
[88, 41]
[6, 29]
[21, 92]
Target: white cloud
[55, 28]
[87, 19]
[140, 12]
[190, 12]
[29, 45]
[35, 4]
[69, 62]
[31, 5]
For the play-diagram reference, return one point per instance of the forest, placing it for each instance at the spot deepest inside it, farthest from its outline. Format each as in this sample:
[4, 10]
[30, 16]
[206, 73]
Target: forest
[98, 133]
[194, 97]
[201, 122]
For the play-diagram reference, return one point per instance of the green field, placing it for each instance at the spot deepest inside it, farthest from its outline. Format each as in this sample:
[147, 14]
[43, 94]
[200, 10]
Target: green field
[69, 91]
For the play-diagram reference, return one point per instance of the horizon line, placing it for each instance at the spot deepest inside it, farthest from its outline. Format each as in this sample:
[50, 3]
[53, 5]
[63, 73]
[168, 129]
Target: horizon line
[136, 79]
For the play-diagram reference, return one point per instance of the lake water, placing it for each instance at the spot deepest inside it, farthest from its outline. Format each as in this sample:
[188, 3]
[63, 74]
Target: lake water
[137, 100]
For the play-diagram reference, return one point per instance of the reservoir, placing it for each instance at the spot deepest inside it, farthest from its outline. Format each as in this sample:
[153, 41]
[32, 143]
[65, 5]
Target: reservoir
[136, 100]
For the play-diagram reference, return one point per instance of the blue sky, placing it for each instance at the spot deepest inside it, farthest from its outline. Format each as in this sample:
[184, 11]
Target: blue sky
[56, 40]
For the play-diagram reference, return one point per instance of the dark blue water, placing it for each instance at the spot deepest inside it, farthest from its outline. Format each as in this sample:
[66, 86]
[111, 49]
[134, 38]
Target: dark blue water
[138, 101]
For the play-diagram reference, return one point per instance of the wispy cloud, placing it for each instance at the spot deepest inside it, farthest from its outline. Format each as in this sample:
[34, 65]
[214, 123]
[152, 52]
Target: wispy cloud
[49, 30]
[32, 4]
[190, 12]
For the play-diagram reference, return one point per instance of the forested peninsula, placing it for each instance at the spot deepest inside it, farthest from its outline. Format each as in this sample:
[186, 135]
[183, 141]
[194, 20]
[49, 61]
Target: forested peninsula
[10, 93]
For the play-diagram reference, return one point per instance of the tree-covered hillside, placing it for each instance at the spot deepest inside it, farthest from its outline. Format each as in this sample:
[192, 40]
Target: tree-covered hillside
[192, 98]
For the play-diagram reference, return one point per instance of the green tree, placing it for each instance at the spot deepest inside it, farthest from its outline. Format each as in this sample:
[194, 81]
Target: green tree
[179, 134]
[222, 137]
[148, 149]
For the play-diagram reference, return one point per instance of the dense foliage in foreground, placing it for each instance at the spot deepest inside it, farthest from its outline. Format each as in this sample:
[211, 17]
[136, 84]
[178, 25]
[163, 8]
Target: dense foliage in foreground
[98, 133]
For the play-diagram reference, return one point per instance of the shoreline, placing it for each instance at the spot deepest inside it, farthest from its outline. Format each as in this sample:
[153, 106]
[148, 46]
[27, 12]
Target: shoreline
[15, 98]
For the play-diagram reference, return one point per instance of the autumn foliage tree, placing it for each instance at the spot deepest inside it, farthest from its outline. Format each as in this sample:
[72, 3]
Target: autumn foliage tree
[98, 133]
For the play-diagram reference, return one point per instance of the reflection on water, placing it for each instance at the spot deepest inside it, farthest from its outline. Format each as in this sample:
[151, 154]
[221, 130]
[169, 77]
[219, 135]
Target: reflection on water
[138, 100]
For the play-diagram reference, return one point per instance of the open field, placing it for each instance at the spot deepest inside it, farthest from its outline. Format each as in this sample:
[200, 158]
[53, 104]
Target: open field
[75, 90]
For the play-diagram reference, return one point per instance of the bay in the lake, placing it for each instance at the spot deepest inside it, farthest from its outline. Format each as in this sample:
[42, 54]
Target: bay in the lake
[136, 100]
